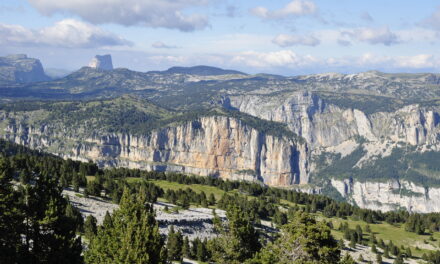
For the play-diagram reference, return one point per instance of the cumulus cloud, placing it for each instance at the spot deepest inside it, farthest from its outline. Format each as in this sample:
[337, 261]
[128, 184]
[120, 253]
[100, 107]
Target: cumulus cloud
[161, 45]
[284, 40]
[293, 9]
[272, 59]
[382, 35]
[150, 13]
[287, 59]
[433, 21]
[68, 33]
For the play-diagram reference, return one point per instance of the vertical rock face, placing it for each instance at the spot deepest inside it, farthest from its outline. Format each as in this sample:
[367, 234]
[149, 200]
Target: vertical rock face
[213, 146]
[326, 125]
[102, 62]
[392, 195]
[21, 69]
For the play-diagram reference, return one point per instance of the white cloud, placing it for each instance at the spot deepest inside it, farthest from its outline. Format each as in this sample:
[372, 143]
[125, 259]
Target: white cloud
[161, 45]
[293, 9]
[382, 35]
[433, 21]
[68, 33]
[272, 59]
[284, 40]
[150, 13]
[287, 59]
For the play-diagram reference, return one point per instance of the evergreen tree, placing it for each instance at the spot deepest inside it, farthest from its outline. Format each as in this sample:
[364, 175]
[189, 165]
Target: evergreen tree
[74, 214]
[11, 217]
[49, 226]
[211, 199]
[239, 242]
[379, 258]
[132, 237]
[174, 245]
[373, 248]
[75, 182]
[304, 240]
[186, 248]
[398, 260]
[347, 259]
[201, 252]
[90, 228]
[408, 252]
[25, 176]
[386, 252]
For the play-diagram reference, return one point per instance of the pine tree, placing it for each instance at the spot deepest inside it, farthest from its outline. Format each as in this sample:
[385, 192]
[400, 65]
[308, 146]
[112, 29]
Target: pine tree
[186, 248]
[398, 260]
[211, 199]
[304, 240]
[75, 182]
[373, 248]
[239, 242]
[25, 176]
[408, 252]
[90, 228]
[201, 251]
[50, 227]
[11, 217]
[174, 245]
[352, 242]
[379, 258]
[386, 252]
[131, 237]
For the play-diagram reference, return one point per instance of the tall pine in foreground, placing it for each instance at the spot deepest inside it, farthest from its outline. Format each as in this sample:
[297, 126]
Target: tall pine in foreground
[302, 241]
[238, 242]
[35, 225]
[11, 217]
[130, 236]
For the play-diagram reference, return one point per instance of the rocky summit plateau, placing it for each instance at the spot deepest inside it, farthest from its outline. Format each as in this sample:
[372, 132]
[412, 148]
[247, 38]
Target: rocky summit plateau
[371, 138]
[102, 62]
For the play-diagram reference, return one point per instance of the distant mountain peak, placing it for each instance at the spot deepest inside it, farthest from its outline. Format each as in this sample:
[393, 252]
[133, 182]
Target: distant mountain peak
[102, 62]
[18, 68]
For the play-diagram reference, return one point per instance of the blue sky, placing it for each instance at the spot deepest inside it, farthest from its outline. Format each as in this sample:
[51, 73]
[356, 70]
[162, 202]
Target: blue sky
[283, 37]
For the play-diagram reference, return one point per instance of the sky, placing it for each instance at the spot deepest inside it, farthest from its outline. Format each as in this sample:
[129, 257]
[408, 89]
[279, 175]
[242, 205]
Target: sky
[287, 37]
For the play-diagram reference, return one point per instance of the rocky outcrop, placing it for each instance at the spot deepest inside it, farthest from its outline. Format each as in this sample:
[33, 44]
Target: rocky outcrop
[215, 146]
[21, 69]
[326, 125]
[388, 196]
[102, 62]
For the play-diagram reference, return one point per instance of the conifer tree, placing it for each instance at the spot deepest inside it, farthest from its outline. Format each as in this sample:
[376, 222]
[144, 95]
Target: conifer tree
[379, 258]
[11, 217]
[131, 237]
[238, 242]
[303, 240]
[211, 199]
[49, 226]
[186, 248]
[174, 245]
[90, 228]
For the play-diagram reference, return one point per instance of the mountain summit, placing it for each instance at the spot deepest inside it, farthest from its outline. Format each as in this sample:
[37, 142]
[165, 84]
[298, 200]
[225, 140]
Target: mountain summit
[19, 68]
[102, 62]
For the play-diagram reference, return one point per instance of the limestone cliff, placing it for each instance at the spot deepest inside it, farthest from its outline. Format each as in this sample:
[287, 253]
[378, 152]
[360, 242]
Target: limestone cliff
[102, 62]
[326, 125]
[21, 69]
[391, 195]
[215, 146]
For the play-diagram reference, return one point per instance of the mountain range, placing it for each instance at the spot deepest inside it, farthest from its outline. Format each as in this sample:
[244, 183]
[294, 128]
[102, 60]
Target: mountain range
[370, 138]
